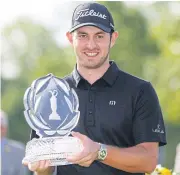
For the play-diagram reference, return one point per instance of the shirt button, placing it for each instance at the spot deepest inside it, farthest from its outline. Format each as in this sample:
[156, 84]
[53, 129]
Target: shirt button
[90, 112]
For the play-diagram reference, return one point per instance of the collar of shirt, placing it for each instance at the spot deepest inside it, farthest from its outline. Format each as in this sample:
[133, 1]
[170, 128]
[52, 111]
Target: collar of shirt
[110, 75]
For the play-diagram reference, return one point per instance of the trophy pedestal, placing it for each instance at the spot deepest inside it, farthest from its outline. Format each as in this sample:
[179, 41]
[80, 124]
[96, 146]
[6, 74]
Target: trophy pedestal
[55, 149]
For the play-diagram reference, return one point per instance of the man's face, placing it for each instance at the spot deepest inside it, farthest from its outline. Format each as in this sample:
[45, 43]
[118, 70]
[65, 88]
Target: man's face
[91, 46]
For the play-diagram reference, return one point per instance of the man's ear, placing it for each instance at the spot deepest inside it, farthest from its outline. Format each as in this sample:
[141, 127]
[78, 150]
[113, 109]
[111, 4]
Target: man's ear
[113, 38]
[69, 37]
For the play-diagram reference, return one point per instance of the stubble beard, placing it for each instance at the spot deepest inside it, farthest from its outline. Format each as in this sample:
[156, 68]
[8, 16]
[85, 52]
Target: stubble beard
[94, 65]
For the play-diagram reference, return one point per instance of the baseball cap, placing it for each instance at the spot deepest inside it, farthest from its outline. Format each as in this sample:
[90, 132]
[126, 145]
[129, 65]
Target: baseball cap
[92, 14]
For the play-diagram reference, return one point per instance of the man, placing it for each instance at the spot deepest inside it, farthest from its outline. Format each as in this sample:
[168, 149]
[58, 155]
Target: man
[12, 152]
[121, 124]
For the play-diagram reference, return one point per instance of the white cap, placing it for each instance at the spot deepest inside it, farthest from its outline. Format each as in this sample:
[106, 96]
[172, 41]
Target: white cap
[4, 119]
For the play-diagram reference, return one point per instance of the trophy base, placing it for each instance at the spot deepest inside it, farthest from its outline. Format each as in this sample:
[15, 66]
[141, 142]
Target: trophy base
[55, 149]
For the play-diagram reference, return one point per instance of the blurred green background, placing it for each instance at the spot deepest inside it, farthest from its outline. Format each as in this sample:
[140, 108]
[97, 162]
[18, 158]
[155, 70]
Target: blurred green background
[148, 47]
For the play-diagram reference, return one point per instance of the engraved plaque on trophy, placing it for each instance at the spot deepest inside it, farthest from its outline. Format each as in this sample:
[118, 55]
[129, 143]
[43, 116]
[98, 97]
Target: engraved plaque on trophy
[51, 109]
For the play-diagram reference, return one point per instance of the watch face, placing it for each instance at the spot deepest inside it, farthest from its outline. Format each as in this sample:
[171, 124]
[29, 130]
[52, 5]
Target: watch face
[103, 154]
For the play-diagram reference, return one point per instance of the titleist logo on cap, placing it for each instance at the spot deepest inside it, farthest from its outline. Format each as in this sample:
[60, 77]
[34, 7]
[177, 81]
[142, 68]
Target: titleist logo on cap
[87, 12]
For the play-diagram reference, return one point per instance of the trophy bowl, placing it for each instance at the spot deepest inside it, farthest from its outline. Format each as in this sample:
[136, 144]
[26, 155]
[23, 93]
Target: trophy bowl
[51, 109]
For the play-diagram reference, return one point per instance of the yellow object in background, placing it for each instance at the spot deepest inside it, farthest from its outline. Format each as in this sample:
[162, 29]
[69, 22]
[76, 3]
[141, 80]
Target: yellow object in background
[159, 170]
[162, 170]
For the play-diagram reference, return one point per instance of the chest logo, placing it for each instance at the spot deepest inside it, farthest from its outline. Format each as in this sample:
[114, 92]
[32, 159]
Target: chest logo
[112, 103]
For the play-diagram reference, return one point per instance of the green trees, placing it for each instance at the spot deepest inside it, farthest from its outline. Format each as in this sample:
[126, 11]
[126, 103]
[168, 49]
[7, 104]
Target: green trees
[35, 53]
[135, 44]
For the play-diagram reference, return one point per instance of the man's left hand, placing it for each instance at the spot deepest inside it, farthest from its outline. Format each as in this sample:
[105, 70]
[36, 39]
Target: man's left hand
[89, 152]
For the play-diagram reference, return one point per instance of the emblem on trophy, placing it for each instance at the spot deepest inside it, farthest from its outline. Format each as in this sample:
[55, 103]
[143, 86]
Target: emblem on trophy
[51, 109]
[54, 115]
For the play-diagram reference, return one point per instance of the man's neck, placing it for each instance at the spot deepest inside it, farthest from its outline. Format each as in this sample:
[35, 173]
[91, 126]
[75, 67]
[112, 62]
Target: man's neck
[92, 75]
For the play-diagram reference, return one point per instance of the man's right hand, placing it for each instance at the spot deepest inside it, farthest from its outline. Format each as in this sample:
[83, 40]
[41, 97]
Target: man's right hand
[40, 168]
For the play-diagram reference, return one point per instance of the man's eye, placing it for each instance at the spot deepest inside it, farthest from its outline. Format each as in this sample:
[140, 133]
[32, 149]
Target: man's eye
[82, 36]
[99, 36]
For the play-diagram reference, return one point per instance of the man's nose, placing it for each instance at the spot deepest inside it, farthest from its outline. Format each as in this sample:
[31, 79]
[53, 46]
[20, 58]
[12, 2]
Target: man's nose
[91, 44]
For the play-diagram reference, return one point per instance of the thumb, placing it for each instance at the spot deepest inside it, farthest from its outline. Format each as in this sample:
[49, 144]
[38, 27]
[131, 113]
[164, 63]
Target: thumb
[78, 135]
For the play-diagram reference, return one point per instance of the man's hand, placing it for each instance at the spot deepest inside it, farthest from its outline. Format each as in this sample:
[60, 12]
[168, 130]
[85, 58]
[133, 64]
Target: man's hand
[40, 167]
[89, 152]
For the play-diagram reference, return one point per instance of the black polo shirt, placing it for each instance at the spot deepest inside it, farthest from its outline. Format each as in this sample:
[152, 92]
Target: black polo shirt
[118, 109]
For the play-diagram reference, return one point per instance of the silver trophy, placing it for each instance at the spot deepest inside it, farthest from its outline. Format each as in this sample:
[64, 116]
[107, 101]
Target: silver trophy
[51, 109]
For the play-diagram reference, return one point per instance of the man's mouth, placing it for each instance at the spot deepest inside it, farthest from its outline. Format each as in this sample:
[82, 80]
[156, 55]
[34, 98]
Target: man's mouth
[91, 54]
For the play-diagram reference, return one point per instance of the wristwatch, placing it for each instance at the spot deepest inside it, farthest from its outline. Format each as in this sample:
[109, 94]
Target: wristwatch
[102, 153]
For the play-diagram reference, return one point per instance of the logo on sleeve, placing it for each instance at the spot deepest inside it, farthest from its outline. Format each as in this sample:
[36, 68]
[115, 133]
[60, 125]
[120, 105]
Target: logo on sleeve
[158, 129]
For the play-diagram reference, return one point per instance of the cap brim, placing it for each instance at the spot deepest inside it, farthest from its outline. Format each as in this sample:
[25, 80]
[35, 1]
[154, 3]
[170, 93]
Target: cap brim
[102, 27]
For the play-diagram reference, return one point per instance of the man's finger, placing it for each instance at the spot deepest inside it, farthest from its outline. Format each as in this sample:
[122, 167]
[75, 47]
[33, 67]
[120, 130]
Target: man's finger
[33, 166]
[86, 164]
[76, 157]
[47, 163]
[83, 160]
[42, 164]
[24, 162]
[80, 157]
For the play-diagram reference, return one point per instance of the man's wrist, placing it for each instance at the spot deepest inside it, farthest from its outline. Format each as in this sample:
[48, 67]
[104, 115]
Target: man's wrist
[102, 153]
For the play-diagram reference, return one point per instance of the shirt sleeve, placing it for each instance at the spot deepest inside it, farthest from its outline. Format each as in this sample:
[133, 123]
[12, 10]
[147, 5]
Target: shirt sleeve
[148, 123]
